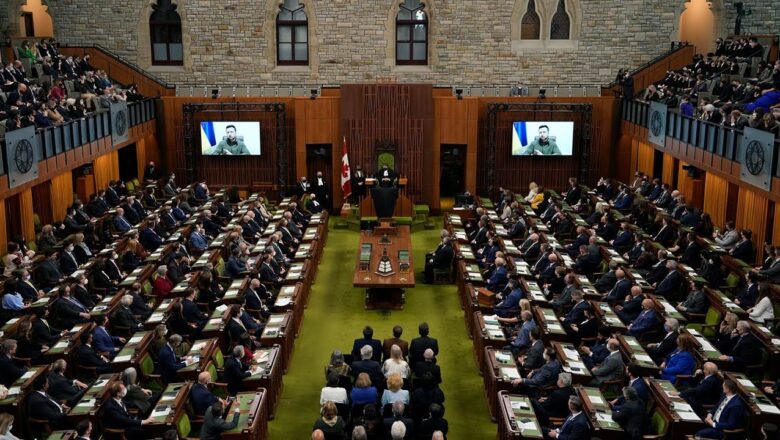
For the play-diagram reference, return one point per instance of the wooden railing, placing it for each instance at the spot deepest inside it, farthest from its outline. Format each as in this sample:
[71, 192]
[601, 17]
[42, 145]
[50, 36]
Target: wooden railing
[679, 55]
[121, 70]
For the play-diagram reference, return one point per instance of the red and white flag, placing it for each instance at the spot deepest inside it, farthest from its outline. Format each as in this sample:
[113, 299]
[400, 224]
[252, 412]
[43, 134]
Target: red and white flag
[346, 174]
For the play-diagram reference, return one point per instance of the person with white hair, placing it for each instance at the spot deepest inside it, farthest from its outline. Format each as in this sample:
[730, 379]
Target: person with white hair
[368, 365]
[407, 424]
[438, 435]
[137, 396]
[123, 316]
[359, 433]
[398, 431]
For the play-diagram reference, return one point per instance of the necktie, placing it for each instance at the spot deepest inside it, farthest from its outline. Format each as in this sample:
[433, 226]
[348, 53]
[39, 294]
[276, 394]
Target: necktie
[723, 403]
[77, 303]
[568, 419]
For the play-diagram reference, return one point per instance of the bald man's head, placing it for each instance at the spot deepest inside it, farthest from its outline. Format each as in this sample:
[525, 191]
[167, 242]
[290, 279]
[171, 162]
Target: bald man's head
[317, 434]
[204, 377]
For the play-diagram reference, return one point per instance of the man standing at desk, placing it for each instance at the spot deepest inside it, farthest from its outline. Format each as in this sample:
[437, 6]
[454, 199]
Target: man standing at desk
[386, 177]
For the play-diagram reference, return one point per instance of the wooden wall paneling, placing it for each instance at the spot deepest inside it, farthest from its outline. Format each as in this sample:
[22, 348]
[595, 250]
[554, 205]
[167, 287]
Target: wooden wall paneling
[41, 198]
[775, 226]
[752, 213]
[27, 211]
[624, 155]
[140, 158]
[645, 158]
[715, 194]
[454, 122]
[668, 171]
[472, 149]
[61, 194]
[106, 168]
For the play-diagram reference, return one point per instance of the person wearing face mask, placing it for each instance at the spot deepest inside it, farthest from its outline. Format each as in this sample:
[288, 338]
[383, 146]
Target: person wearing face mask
[543, 377]
[236, 371]
[68, 262]
[321, 189]
[170, 189]
[115, 415]
[81, 293]
[26, 288]
[304, 187]
[745, 349]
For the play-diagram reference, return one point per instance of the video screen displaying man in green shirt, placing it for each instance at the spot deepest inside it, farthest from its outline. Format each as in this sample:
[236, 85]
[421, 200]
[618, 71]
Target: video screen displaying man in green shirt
[232, 145]
[542, 145]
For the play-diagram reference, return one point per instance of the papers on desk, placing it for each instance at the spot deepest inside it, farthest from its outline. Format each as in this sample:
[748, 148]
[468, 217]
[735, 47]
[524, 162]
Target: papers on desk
[775, 341]
[282, 302]
[276, 319]
[525, 425]
[87, 403]
[510, 373]
[193, 360]
[603, 417]
[771, 409]
[577, 365]
[503, 358]
[28, 374]
[221, 308]
[197, 347]
[167, 397]
[490, 319]
[746, 383]
[262, 356]
[43, 300]
[596, 400]
[156, 317]
[554, 327]
[682, 407]
[705, 344]
[288, 290]
[643, 358]
[571, 354]
[99, 384]
[690, 416]
[519, 404]
[161, 413]
[496, 334]
[668, 307]
[14, 391]
[99, 308]
[123, 358]
[135, 339]
[215, 321]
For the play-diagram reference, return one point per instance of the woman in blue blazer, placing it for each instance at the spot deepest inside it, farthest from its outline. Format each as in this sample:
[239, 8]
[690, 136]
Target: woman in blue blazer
[680, 361]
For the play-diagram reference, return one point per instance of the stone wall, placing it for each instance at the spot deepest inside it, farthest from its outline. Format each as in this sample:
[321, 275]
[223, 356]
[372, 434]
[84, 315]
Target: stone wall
[470, 42]
[764, 17]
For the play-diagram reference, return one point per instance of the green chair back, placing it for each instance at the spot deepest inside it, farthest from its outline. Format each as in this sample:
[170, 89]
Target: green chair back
[386, 159]
[221, 266]
[732, 280]
[183, 426]
[147, 287]
[712, 317]
[658, 424]
[147, 365]
[213, 372]
[130, 186]
[219, 359]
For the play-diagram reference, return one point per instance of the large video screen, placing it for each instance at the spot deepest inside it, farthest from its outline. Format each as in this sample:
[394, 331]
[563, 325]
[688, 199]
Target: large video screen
[538, 138]
[218, 138]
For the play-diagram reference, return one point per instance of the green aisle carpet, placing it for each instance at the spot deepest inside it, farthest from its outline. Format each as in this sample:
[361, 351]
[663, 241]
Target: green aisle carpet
[335, 317]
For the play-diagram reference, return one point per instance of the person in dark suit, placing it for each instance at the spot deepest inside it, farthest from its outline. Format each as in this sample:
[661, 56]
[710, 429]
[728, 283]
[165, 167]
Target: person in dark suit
[706, 388]
[359, 182]
[388, 343]
[168, 361]
[556, 403]
[200, 395]
[611, 368]
[115, 415]
[646, 321]
[534, 356]
[420, 344]
[68, 311]
[150, 239]
[85, 355]
[191, 312]
[68, 262]
[435, 422]
[42, 332]
[321, 189]
[441, 258]
[9, 371]
[236, 371]
[746, 349]
[509, 299]
[696, 302]
[398, 409]
[367, 339]
[577, 313]
[632, 306]
[575, 427]
[744, 249]
[428, 366]
[214, 425]
[747, 297]
[660, 350]
[620, 289]
[542, 377]
[367, 365]
[498, 278]
[121, 223]
[62, 388]
[728, 413]
[41, 405]
[636, 382]
[631, 414]
[123, 316]
[670, 285]
[104, 341]
[606, 282]
[255, 294]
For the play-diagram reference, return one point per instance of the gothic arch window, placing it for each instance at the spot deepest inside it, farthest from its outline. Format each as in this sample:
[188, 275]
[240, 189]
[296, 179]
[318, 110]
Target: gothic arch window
[292, 34]
[560, 27]
[531, 24]
[165, 35]
[411, 34]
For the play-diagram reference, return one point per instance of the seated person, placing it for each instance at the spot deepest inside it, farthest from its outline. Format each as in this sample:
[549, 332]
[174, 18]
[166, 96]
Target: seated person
[611, 368]
[63, 389]
[745, 350]
[631, 414]
[498, 279]
[696, 302]
[332, 391]
[660, 350]
[214, 425]
[728, 413]
[137, 397]
[86, 356]
[201, 396]
[115, 415]
[509, 304]
[428, 367]
[168, 361]
[544, 376]
[236, 371]
[575, 427]
[555, 403]
[681, 361]
[632, 306]
[367, 339]
[103, 340]
[523, 339]
[646, 321]
[10, 372]
[441, 258]
[394, 392]
[705, 389]
[41, 405]
[363, 393]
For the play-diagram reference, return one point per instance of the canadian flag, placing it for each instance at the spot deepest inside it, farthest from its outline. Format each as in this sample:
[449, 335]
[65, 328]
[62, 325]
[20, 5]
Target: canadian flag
[346, 175]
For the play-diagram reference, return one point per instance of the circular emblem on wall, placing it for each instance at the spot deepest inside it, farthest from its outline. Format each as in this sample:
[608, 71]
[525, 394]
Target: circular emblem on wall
[656, 123]
[24, 156]
[121, 123]
[754, 157]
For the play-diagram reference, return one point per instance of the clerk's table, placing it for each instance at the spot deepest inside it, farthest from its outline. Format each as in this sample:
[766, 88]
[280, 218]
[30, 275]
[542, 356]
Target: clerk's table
[384, 266]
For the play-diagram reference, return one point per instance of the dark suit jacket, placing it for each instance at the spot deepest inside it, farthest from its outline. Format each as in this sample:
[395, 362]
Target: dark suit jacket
[68, 263]
[631, 417]
[418, 347]
[706, 392]
[669, 284]
[428, 367]
[576, 428]
[117, 417]
[533, 356]
[732, 415]
[213, 427]
[9, 371]
[745, 252]
[667, 345]
[201, 398]
[370, 367]
[746, 351]
[63, 389]
[235, 372]
[41, 407]
[88, 357]
[388, 343]
[556, 403]
[375, 344]
[44, 334]
[168, 364]
[192, 313]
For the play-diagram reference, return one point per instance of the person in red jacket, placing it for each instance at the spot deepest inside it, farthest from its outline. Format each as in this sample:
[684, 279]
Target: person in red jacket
[162, 286]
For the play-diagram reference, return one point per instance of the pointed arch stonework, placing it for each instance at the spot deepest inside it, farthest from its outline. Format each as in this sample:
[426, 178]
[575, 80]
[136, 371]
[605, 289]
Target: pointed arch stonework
[143, 45]
[546, 10]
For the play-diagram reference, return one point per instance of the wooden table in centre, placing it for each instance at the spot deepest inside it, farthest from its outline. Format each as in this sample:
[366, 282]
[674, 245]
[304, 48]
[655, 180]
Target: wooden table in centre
[380, 247]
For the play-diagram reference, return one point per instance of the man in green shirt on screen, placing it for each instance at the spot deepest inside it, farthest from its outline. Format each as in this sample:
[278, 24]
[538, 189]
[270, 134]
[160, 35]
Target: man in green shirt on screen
[232, 145]
[543, 145]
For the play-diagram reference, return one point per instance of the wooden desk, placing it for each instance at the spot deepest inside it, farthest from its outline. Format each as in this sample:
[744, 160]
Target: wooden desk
[636, 354]
[252, 419]
[289, 299]
[571, 362]
[67, 342]
[724, 304]
[498, 370]
[158, 315]
[682, 420]
[548, 323]
[517, 418]
[90, 402]
[385, 291]
[487, 333]
[608, 316]
[268, 376]
[205, 350]
[130, 355]
[169, 410]
[276, 333]
[771, 344]
[62, 435]
[17, 395]
[599, 414]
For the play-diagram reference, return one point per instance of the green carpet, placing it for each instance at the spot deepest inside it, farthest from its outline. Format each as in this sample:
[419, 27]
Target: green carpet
[336, 316]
